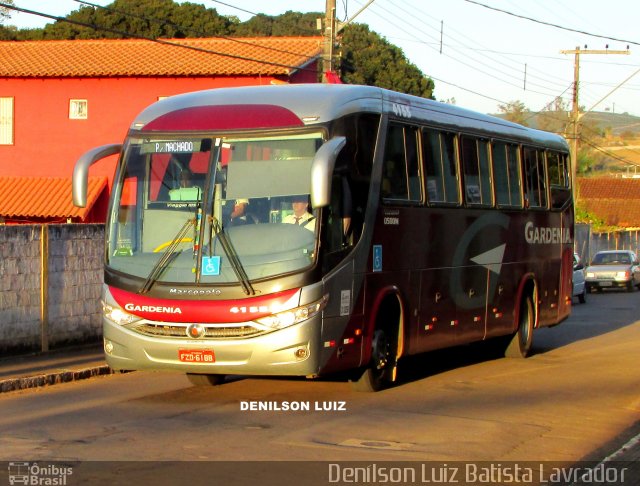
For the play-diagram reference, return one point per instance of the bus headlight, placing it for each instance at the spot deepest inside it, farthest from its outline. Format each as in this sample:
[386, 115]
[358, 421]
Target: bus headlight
[117, 315]
[287, 318]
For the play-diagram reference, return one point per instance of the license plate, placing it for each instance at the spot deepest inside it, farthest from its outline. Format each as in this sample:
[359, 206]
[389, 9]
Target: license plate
[196, 356]
[605, 284]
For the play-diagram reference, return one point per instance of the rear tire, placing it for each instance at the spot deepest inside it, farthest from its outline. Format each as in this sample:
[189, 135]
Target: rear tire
[205, 380]
[520, 343]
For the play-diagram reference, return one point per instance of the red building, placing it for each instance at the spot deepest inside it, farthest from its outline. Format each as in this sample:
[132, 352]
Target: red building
[60, 98]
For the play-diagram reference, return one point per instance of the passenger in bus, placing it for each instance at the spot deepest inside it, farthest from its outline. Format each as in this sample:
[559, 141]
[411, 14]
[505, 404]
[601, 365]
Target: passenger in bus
[187, 191]
[301, 215]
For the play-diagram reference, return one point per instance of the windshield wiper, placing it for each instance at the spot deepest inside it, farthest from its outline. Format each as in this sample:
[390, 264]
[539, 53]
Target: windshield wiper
[232, 255]
[167, 257]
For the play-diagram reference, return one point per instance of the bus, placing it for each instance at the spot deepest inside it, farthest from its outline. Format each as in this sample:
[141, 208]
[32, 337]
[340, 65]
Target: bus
[426, 226]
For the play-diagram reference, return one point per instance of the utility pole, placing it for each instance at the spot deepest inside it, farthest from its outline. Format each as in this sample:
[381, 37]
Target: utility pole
[329, 38]
[332, 27]
[575, 109]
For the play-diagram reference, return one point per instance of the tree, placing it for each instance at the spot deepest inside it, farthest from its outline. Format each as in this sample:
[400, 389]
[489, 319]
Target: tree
[554, 117]
[288, 24]
[369, 59]
[145, 18]
[515, 111]
[5, 12]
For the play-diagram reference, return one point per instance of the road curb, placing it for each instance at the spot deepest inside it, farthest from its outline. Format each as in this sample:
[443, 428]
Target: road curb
[46, 379]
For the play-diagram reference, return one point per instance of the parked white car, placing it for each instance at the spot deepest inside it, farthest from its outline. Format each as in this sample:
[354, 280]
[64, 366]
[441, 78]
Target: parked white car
[579, 284]
[613, 269]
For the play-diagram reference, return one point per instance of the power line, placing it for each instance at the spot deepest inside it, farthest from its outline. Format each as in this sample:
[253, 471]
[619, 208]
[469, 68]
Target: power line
[179, 27]
[254, 13]
[151, 39]
[233, 6]
[608, 154]
[420, 29]
[551, 24]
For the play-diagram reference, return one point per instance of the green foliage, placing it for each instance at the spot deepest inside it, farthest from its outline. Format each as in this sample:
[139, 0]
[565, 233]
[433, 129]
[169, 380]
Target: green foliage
[583, 215]
[288, 24]
[5, 12]
[139, 18]
[515, 111]
[369, 59]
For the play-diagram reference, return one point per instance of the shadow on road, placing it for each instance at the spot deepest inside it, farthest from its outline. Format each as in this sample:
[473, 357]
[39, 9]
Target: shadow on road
[603, 313]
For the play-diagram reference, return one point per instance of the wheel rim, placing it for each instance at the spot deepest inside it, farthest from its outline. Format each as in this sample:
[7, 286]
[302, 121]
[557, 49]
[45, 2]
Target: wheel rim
[380, 351]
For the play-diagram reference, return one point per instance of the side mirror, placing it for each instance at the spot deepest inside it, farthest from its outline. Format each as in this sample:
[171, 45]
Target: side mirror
[322, 171]
[80, 179]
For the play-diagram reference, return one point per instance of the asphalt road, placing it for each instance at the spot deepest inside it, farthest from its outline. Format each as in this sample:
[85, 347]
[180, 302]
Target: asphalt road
[574, 399]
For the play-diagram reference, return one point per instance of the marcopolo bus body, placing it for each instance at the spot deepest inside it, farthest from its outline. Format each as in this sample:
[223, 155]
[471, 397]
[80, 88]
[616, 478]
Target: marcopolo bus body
[302, 230]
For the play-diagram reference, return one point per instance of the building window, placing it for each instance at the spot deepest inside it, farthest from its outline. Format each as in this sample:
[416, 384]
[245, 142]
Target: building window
[78, 109]
[6, 121]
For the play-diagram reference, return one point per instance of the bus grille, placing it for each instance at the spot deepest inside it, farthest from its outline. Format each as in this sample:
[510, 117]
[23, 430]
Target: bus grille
[211, 332]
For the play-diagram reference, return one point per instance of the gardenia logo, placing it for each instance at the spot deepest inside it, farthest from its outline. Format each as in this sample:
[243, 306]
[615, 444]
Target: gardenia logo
[153, 308]
[546, 235]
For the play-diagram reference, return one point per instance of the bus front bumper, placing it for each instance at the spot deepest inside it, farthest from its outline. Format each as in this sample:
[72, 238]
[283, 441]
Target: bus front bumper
[293, 351]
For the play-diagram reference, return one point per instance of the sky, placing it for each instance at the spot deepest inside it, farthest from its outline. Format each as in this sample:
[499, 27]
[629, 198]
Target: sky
[479, 56]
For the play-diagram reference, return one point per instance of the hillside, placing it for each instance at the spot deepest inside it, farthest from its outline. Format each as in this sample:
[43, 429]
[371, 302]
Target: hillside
[610, 142]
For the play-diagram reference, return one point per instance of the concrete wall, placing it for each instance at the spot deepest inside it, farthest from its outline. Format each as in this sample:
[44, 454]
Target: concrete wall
[72, 270]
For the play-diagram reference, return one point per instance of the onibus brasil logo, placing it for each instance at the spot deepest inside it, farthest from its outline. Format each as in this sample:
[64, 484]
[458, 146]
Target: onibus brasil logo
[40, 475]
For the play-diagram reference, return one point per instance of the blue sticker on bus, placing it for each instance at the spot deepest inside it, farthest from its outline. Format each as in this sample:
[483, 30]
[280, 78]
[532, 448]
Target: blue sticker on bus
[377, 258]
[211, 265]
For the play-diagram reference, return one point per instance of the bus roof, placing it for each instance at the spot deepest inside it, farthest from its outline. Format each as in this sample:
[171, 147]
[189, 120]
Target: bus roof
[311, 104]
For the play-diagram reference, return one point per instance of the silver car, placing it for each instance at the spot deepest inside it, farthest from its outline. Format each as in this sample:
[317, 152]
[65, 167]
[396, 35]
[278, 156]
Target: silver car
[613, 269]
[579, 284]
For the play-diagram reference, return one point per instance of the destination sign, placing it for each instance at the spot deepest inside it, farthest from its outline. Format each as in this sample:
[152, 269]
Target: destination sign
[171, 147]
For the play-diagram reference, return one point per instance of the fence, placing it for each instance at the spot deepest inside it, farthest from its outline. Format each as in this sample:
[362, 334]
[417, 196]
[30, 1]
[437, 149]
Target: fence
[51, 279]
[588, 243]
[50, 284]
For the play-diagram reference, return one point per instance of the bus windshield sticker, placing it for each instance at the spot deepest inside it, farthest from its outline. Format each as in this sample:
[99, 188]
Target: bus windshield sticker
[377, 258]
[171, 147]
[211, 265]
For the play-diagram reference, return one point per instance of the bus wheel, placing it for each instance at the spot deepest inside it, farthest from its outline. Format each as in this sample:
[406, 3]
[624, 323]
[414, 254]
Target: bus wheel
[205, 380]
[520, 343]
[378, 374]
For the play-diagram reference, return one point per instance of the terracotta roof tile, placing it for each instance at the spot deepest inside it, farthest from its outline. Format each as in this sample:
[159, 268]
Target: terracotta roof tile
[609, 188]
[45, 197]
[135, 57]
[614, 200]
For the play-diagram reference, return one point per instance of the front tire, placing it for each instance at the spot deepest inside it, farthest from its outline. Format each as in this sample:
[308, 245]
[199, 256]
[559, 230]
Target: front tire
[205, 380]
[379, 374]
[520, 343]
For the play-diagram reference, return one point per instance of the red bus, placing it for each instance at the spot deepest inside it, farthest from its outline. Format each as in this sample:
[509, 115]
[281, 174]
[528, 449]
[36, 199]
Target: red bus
[420, 226]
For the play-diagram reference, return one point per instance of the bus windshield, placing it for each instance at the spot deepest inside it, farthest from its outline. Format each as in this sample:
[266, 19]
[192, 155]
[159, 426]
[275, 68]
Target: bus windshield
[213, 210]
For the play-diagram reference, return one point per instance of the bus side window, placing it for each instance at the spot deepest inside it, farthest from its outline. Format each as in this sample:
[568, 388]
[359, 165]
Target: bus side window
[535, 179]
[477, 176]
[441, 168]
[558, 169]
[506, 173]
